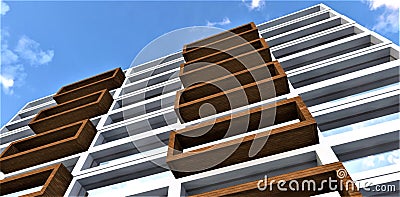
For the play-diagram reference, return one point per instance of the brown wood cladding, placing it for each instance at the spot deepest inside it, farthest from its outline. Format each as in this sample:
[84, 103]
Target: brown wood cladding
[270, 69]
[317, 174]
[285, 138]
[279, 112]
[219, 45]
[202, 47]
[204, 71]
[61, 131]
[48, 146]
[108, 80]
[55, 180]
[262, 82]
[188, 109]
[72, 111]
[241, 48]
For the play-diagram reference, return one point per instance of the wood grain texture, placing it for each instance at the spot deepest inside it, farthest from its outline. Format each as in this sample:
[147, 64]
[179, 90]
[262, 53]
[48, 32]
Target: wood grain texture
[221, 54]
[61, 131]
[227, 82]
[222, 44]
[47, 146]
[85, 107]
[204, 71]
[200, 48]
[263, 82]
[55, 180]
[189, 101]
[285, 138]
[108, 80]
[317, 174]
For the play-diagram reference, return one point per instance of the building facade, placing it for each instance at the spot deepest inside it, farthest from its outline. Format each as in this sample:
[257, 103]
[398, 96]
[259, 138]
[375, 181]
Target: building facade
[346, 75]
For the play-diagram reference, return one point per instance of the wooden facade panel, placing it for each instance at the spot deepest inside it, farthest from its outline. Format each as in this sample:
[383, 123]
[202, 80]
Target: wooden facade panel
[285, 138]
[240, 48]
[108, 80]
[189, 101]
[219, 45]
[241, 78]
[55, 180]
[203, 71]
[85, 107]
[317, 174]
[230, 38]
[47, 146]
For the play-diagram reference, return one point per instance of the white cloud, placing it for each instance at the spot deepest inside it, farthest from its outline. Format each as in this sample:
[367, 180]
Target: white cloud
[388, 21]
[7, 56]
[4, 8]
[254, 4]
[390, 4]
[29, 50]
[6, 82]
[225, 21]
[12, 76]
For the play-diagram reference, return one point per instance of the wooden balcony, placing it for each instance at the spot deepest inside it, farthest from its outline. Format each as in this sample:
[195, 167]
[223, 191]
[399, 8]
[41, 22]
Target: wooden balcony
[320, 175]
[270, 74]
[72, 111]
[54, 179]
[204, 71]
[47, 146]
[240, 48]
[284, 138]
[109, 80]
[221, 41]
[232, 91]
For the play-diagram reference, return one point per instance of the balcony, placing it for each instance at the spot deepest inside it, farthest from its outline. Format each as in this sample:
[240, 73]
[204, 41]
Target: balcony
[221, 41]
[53, 180]
[47, 146]
[232, 91]
[109, 80]
[241, 78]
[85, 107]
[204, 71]
[299, 130]
[240, 48]
[319, 176]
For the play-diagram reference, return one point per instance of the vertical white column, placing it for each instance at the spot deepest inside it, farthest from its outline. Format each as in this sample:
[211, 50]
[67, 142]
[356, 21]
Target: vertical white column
[176, 188]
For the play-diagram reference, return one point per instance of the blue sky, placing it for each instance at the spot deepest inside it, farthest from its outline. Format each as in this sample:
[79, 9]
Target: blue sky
[48, 44]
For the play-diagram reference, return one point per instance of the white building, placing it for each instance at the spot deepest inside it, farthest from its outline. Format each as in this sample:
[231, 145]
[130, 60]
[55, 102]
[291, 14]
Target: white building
[347, 75]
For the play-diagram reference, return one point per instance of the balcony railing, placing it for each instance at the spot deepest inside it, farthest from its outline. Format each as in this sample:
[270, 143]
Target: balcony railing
[85, 107]
[221, 54]
[271, 141]
[205, 71]
[231, 91]
[47, 146]
[221, 41]
[53, 179]
[109, 80]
